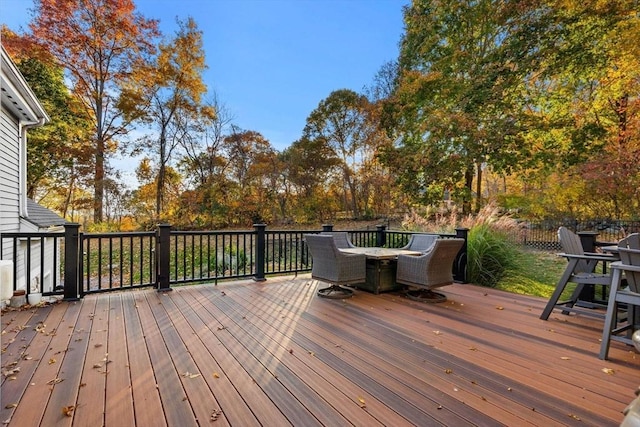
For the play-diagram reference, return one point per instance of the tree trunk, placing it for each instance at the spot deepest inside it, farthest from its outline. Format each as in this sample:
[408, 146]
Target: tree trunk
[99, 181]
[478, 187]
[468, 184]
[162, 172]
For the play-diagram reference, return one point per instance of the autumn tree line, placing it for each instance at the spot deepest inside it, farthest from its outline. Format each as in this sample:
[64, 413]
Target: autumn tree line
[531, 103]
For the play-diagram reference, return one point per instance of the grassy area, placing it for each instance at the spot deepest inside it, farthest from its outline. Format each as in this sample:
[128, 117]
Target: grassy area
[535, 273]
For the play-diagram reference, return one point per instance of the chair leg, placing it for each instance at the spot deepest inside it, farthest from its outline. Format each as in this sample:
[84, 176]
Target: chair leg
[610, 320]
[562, 283]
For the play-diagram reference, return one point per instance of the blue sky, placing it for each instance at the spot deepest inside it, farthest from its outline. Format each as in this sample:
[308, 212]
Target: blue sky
[272, 61]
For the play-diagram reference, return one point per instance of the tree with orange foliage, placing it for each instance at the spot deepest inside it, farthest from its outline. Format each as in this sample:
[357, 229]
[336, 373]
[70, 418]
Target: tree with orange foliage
[99, 43]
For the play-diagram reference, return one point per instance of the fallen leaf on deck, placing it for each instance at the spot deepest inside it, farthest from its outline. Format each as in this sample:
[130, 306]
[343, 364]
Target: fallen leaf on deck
[362, 403]
[215, 414]
[608, 371]
[499, 307]
[216, 375]
[55, 381]
[575, 417]
[11, 405]
[68, 410]
[437, 332]
[565, 358]
[448, 371]
[10, 372]
[52, 361]
[190, 375]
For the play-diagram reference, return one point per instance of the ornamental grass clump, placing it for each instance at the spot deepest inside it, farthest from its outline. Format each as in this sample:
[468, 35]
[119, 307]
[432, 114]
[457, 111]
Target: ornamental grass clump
[492, 250]
[492, 242]
[491, 255]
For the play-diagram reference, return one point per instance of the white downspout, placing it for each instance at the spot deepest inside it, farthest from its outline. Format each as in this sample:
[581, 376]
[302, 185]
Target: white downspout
[22, 173]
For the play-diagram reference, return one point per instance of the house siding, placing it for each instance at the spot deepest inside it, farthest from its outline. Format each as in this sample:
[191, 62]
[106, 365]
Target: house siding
[9, 176]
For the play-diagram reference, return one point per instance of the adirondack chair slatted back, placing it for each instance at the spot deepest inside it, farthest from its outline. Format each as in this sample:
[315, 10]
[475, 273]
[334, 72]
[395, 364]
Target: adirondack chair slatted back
[631, 257]
[571, 244]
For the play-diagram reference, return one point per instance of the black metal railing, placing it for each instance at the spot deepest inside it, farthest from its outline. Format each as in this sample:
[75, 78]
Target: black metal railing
[116, 261]
[102, 262]
[37, 258]
[544, 234]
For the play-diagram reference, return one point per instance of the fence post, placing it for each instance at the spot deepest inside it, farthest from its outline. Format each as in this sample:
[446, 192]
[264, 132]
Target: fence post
[71, 261]
[261, 248]
[460, 265]
[381, 237]
[163, 270]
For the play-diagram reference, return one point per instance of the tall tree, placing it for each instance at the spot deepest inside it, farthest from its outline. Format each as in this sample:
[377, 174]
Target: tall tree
[174, 99]
[458, 100]
[309, 164]
[252, 168]
[100, 43]
[340, 123]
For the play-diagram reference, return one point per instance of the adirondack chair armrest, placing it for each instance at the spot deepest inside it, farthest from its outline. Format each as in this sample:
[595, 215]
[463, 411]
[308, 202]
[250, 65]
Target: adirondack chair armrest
[599, 254]
[626, 267]
[590, 257]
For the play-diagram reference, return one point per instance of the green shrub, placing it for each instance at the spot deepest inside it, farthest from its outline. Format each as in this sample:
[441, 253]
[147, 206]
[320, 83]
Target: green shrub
[491, 254]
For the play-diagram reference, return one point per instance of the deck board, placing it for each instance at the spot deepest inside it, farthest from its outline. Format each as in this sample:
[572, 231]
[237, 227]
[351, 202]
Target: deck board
[146, 396]
[119, 393]
[273, 353]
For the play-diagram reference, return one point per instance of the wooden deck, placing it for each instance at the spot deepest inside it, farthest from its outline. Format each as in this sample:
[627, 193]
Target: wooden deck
[272, 353]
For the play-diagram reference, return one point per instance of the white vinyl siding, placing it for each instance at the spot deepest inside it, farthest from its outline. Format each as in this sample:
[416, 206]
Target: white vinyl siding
[9, 176]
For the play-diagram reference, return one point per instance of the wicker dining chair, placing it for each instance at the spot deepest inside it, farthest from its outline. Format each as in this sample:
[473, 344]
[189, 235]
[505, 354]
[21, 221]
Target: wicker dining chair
[341, 238]
[420, 242]
[432, 269]
[335, 267]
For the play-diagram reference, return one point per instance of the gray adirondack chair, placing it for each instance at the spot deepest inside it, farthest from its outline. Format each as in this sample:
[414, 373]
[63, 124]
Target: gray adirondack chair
[580, 270]
[335, 267]
[629, 297]
[432, 269]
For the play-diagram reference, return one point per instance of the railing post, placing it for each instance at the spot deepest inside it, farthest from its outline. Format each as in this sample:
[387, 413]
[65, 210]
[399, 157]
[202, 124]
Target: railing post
[163, 271]
[71, 261]
[381, 237]
[261, 248]
[460, 265]
[327, 227]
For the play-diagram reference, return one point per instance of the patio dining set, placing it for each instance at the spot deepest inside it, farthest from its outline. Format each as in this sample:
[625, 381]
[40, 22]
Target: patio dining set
[424, 263]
